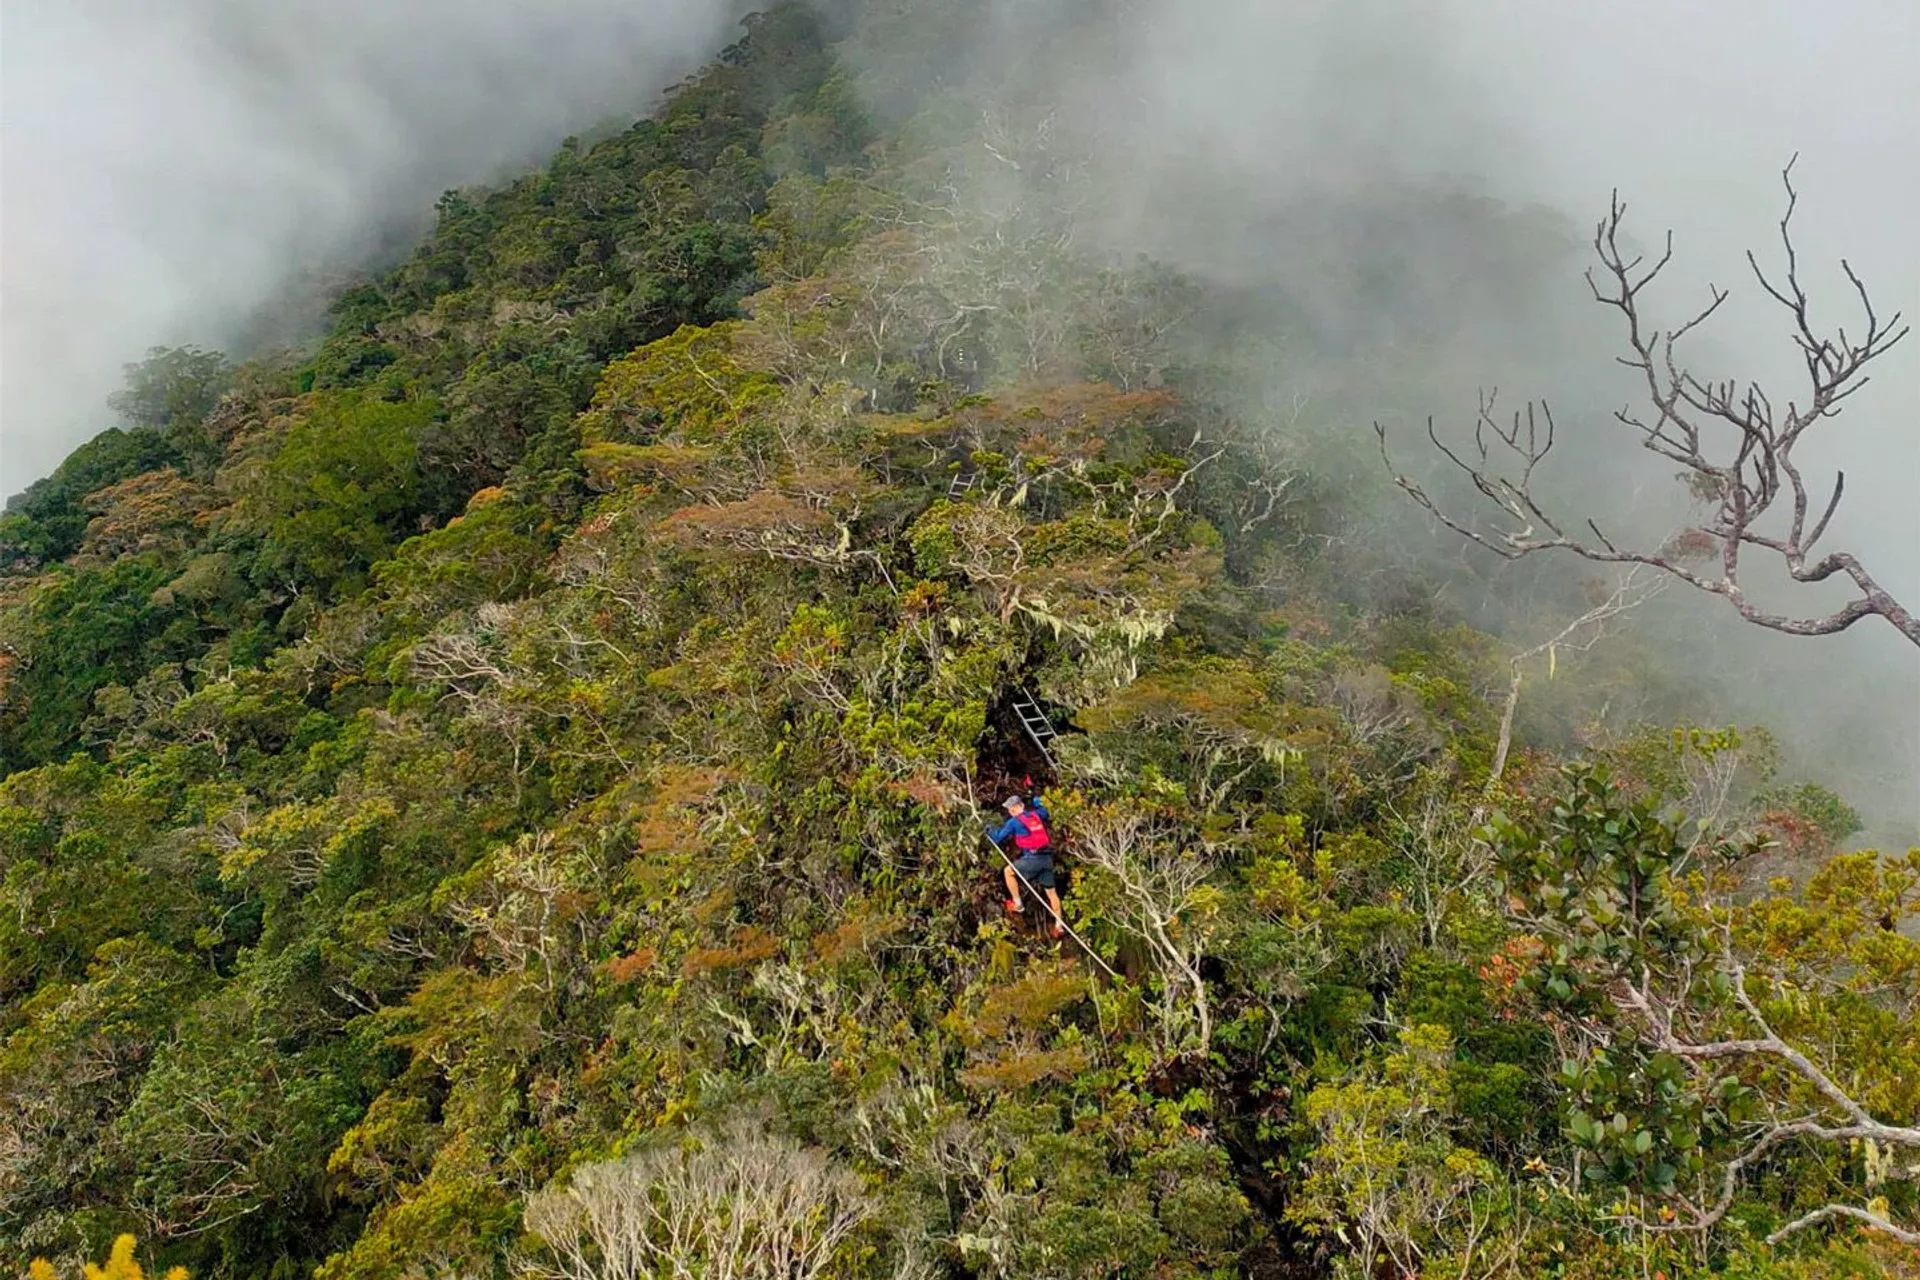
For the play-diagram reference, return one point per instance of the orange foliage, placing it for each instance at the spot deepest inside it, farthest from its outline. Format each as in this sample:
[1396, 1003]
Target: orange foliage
[690, 784]
[610, 464]
[748, 522]
[629, 968]
[1019, 1070]
[750, 946]
[855, 936]
[825, 483]
[668, 820]
[661, 829]
[936, 795]
[1798, 837]
[1085, 408]
[152, 511]
[1025, 1005]
[1506, 966]
[712, 907]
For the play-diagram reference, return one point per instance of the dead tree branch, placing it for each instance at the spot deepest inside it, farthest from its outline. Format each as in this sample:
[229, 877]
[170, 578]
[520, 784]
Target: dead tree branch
[1635, 589]
[1735, 446]
[1639, 1000]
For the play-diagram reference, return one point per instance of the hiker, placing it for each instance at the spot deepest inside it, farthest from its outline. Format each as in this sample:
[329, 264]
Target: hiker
[1026, 826]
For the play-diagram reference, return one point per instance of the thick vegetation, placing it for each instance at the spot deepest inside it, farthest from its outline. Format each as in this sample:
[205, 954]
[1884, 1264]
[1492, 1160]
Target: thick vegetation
[503, 794]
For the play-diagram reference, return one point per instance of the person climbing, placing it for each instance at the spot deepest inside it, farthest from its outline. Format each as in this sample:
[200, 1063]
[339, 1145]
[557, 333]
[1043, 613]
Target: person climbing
[1026, 826]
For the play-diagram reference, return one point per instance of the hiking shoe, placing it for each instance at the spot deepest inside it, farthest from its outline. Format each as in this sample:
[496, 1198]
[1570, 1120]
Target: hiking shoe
[1013, 908]
[1059, 931]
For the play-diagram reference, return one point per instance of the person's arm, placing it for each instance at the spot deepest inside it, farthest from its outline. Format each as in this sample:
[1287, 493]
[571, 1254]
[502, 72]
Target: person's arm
[1038, 806]
[1005, 831]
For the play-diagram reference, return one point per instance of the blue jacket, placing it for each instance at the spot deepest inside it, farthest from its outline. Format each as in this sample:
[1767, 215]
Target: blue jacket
[1013, 826]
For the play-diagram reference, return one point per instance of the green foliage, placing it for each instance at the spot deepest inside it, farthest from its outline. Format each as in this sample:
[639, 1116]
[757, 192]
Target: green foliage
[75, 632]
[495, 551]
[73, 1061]
[461, 775]
[1692, 1061]
[340, 489]
[172, 392]
[46, 522]
[1385, 1162]
[1611, 873]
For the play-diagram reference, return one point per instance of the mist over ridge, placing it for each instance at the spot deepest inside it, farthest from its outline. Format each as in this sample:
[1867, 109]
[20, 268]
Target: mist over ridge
[1313, 145]
[172, 168]
[175, 168]
[893, 640]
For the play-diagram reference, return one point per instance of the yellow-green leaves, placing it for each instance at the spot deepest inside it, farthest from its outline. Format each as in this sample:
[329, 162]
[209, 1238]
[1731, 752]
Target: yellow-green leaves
[120, 1265]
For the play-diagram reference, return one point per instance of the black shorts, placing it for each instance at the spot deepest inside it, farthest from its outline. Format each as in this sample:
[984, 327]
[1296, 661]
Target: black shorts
[1036, 869]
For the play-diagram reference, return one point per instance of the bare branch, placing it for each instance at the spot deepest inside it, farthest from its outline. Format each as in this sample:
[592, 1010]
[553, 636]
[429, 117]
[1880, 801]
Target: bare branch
[1158, 874]
[1581, 634]
[743, 1205]
[1873, 1220]
[1637, 998]
[1749, 487]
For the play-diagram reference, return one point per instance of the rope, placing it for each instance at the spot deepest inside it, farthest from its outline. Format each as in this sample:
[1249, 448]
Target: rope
[1061, 920]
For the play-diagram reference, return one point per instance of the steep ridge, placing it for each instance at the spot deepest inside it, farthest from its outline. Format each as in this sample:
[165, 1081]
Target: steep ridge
[530, 755]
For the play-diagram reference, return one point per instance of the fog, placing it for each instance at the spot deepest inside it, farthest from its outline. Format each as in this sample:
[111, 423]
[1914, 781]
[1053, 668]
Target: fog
[1691, 111]
[172, 167]
[1211, 122]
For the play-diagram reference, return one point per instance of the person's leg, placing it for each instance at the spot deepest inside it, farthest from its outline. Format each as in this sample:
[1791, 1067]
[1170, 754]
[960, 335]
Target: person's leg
[1013, 886]
[1053, 902]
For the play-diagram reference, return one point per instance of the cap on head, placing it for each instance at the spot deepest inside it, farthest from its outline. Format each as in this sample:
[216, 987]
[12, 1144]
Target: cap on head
[1013, 802]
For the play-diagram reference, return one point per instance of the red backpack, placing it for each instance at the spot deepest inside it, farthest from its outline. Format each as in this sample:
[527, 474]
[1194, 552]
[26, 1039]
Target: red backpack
[1035, 836]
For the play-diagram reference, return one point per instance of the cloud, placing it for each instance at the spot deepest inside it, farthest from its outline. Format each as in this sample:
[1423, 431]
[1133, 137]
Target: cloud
[1218, 123]
[172, 165]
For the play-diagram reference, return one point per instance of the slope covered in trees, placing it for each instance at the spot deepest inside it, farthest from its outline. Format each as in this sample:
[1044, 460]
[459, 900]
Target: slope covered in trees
[503, 792]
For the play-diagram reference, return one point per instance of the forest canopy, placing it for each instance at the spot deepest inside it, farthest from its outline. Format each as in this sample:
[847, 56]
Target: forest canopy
[503, 791]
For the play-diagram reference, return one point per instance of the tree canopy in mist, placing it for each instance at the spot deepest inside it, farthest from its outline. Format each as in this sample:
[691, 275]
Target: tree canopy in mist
[495, 779]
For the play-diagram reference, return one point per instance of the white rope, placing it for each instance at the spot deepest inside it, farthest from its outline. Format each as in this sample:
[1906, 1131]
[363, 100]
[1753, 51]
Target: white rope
[1060, 920]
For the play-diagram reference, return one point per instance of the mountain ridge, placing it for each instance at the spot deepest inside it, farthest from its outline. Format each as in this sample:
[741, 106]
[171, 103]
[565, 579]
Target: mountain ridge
[529, 754]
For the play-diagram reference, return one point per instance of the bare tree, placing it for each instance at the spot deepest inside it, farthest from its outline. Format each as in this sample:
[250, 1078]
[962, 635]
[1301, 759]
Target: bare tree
[1659, 1011]
[743, 1205]
[1578, 635]
[1735, 447]
[1161, 874]
[1659, 944]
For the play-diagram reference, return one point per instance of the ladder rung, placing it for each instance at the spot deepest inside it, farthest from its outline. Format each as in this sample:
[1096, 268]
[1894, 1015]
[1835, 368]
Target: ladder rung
[1035, 721]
